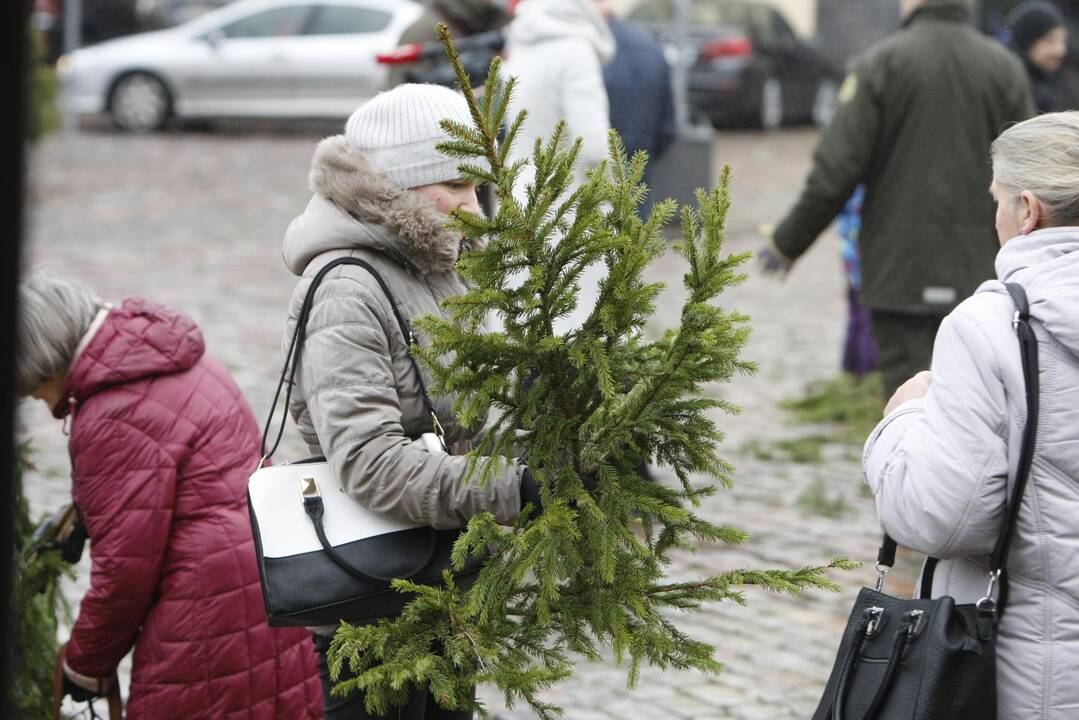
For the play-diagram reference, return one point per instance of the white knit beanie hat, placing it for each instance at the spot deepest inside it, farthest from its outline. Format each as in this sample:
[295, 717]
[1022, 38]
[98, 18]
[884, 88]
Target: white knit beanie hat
[397, 132]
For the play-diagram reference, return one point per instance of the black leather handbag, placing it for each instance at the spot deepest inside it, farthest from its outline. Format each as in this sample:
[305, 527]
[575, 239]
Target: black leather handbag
[322, 557]
[933, 659]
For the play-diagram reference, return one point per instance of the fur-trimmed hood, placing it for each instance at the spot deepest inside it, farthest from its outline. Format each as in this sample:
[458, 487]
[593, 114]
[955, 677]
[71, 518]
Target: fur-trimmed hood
[356, 206]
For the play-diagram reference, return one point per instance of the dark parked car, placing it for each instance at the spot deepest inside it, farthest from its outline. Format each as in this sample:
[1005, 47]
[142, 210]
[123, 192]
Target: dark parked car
[746, 65]
[427, 62]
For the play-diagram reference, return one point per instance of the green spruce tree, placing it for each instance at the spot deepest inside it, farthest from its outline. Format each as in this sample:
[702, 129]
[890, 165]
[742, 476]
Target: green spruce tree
[589, 572]
[36, 606]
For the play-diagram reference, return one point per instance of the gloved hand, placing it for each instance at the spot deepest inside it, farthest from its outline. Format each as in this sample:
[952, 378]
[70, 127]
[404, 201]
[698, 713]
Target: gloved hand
[77, 692]
[530, 494]
[72, 543]
[80, 687]
[772, 260]
[530, 490]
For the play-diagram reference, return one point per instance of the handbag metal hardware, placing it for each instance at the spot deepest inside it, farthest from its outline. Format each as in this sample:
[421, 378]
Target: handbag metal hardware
[914, 618]
[876, 616]
[309, 488]
[438, 428]
[987, 602]
[882, 573]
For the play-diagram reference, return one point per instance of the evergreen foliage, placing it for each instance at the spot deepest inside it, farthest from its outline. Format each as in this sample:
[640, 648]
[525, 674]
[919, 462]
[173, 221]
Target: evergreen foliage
[35, 608]
[589, 572]
[850, 404]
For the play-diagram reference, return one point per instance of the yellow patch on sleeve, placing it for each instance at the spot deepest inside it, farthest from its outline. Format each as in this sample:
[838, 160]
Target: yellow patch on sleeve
[849, 89]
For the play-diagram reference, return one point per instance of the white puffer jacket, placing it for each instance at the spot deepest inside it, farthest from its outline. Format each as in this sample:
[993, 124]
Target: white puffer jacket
[940, 470]
[556, 49]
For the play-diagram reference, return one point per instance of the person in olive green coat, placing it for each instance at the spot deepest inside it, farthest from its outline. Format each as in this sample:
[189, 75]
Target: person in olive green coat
[916, 116]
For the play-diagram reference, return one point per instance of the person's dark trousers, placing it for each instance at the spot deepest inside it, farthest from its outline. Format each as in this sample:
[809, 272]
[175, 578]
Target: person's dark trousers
[904, 345]
[420, 706]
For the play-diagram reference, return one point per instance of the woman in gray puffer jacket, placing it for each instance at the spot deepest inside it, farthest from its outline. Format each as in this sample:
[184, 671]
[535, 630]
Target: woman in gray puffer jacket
[382, 192]
[941, 461]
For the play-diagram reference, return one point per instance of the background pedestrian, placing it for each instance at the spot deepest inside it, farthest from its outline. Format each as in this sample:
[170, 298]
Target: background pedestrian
[161, 445]
[939, 463]
[381, 192]
[638, 84]
[915, 117]
[1040, 37]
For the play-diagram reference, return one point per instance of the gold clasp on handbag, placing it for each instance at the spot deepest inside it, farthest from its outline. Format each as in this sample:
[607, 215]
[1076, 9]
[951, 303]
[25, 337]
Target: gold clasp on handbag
[309, 488]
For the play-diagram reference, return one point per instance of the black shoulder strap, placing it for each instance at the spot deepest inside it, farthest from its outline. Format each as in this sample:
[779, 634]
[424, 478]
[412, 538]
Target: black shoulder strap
[1028, 349]
[288, 372]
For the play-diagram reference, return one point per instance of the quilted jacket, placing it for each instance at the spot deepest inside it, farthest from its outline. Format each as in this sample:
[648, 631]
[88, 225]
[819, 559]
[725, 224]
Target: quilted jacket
[161, 446]
[940, 468]
[357, 399]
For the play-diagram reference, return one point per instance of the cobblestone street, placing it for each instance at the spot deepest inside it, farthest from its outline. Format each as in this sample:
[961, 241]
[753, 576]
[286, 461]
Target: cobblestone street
[195, 220]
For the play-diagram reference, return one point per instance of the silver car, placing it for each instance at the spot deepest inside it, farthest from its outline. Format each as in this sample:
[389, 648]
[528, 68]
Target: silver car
[254, 58]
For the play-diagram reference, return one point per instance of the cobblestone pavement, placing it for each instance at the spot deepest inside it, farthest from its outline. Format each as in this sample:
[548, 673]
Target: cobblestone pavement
[196, 219]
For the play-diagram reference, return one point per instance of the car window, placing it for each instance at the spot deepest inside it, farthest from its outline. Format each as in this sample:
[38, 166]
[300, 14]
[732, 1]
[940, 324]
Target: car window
[341, 20]
[711, 14]
[784, 35]
[270, 23]
[764, 32]
[654, 12]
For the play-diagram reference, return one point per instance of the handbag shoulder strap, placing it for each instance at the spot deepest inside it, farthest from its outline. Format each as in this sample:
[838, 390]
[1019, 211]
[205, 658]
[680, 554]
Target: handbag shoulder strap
[1028, 348]
[288, 372]
[1028, 352]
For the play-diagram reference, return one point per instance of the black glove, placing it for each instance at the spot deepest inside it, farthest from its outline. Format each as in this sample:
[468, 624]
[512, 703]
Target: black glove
[530, 494]
[530, 490]
[72, 545]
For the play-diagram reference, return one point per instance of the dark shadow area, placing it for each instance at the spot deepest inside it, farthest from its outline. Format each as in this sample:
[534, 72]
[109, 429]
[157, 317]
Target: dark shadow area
[15, 22]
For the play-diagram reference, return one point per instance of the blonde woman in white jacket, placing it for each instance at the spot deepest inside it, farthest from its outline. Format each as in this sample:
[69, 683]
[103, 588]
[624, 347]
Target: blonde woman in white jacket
[940, 462]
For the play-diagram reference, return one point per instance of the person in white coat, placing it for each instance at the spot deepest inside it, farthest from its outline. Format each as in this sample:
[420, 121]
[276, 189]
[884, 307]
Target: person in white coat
[941, 461]
[557, 49]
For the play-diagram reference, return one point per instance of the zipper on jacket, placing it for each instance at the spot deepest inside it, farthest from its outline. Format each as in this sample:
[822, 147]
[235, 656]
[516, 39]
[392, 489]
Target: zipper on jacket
[70, 417]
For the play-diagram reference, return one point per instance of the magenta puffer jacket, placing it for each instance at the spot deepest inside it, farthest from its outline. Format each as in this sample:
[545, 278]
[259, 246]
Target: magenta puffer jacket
[162, 444]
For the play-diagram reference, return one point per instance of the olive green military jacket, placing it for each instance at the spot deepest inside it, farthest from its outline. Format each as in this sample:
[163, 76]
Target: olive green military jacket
[917, 115]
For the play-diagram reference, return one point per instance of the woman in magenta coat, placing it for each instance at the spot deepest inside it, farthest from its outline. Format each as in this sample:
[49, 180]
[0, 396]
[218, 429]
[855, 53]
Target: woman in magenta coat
[161, 445]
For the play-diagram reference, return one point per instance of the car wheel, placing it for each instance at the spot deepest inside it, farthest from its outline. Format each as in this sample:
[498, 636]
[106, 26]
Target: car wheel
[771, 109]
[824, 103]
[140, 102]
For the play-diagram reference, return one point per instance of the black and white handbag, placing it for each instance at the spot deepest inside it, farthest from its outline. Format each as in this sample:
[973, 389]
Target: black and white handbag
[322, 556]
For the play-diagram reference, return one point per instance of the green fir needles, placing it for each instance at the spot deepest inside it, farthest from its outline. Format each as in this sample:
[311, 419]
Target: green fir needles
[598, 403]
[36, 607]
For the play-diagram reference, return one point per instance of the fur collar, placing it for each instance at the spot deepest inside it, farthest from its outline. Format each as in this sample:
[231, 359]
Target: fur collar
[343, 176]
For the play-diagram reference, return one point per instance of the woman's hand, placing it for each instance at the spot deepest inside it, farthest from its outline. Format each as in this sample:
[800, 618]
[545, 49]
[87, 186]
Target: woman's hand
[912, 389]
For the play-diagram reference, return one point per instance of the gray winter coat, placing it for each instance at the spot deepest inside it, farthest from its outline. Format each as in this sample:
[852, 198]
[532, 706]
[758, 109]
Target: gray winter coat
[940, 468]
[357, 398]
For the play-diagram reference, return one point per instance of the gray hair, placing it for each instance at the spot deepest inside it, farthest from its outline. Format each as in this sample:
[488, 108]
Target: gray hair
[53, 316]
[1041, 155]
